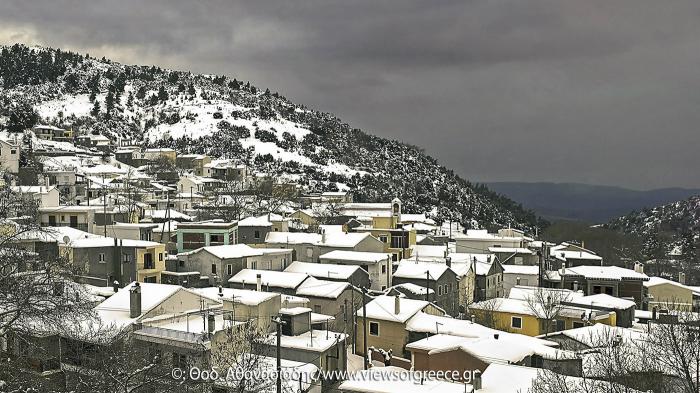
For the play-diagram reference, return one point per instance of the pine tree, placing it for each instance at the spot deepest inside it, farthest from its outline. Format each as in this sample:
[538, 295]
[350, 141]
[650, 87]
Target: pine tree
[191, 91]
[162, 94]
[141, 93]
[109, 104]
[95, 111]
[22, 117]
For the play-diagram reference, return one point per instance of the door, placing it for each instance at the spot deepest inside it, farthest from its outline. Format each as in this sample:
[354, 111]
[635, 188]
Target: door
[74, 221]
[52, 221]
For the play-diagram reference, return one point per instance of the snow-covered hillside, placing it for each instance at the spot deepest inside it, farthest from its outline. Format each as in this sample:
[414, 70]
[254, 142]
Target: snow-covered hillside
[225, 117]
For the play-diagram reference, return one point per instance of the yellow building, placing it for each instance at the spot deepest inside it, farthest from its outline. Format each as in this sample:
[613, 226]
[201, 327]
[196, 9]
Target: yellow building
[517, 316]
[672, 295]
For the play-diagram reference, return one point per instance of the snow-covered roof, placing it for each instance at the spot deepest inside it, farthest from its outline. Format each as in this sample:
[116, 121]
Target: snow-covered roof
[600, 334]
[269, 277]
[242, 296]
[605, 300]
[322, 288]
[102, 242]
[356, 256]
[654, 281]
[32, 189]
[512, 250]
[163, 214]
[412, 288]
[525, 270]
[434, 324]
[517, 306]
[315, 341]
[420, 270]
[57, 234]
[228, 251]
[323, 270]
[605, 272]
[292, 238]
[383, 308]
[261, 221]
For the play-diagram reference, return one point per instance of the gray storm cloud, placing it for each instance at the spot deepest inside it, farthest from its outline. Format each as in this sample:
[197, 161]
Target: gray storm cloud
[593, 91]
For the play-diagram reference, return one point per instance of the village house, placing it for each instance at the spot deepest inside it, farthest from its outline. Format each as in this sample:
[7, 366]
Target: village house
[573, 255]
[52, 133]
[444, 352]
[9, 153]
[193, 162]
[438, 277]
[107, 260]
[377, 264]
[528, 317]
[611, 280]
[43, 196]
[285, 283]
[352, 274]
[480, 240]
[672, 295]
[308, 247]
[219, 263]
[254, 230]
[78, 216]
[386, 318]
[194, 235]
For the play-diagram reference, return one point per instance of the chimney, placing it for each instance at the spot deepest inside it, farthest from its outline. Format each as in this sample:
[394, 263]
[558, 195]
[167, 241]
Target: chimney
[115, 286]
[653, 313]
[575, 286]
[135, 301]
[495, 336]
[448, 261]
[476, 382]
[517, 281]
[397, 305]
[681, 278]
[323, 235]
[259, 280]
[639, 267]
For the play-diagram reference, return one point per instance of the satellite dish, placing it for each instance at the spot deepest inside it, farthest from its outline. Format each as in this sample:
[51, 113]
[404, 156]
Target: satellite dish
[66, 239]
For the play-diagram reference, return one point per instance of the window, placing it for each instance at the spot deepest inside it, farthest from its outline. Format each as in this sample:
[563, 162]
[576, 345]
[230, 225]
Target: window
[374, 328]
[309, 252]
[216, 239]
[383, 269]
[160, 256]
[394, 257]
[516, 322]
[578, 325]
[256, 235]
[229, 269]
[13, 151]
[254, 265]
[101, 257]
[383, 238]
[439, 287]
[126, 258]
[213, 268]
[560, 325]
[317, 308]
[181, 263]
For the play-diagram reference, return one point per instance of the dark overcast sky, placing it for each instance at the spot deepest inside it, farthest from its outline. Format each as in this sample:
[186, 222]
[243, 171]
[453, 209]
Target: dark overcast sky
[595, 91]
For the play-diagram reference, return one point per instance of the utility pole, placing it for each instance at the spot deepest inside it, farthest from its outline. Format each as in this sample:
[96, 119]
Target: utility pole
[354, 322]
[278, 321]
[104, 207]
[364, 325]
[427, 286]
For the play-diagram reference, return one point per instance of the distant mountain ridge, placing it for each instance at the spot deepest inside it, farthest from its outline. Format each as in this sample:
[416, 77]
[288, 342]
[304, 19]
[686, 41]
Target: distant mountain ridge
[585, 202]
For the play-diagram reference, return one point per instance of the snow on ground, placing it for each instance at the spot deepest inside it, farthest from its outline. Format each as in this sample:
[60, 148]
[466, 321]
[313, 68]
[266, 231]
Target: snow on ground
[78, 105]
